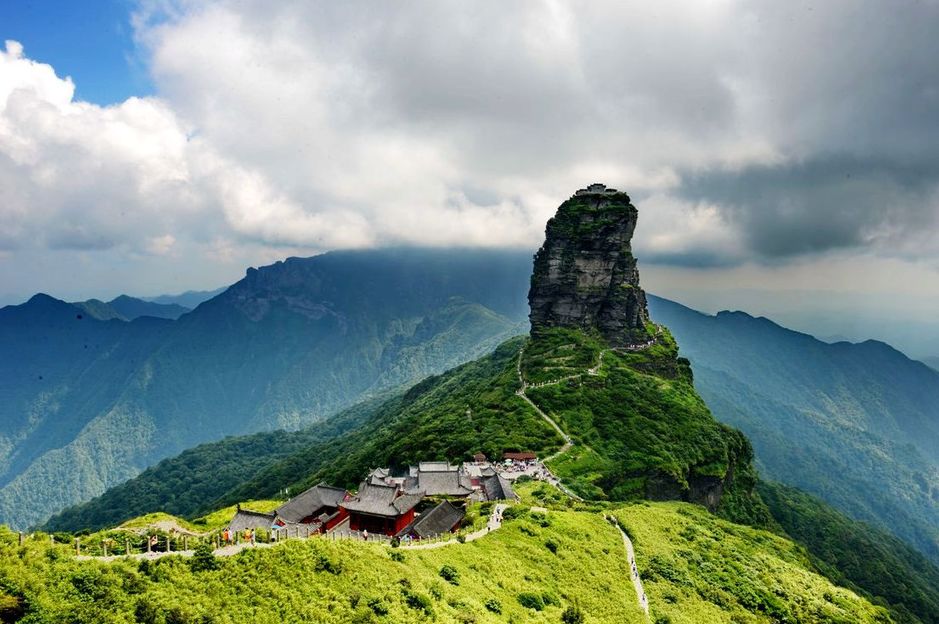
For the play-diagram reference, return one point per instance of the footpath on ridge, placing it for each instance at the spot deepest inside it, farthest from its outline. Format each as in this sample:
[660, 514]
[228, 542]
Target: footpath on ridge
[568, 443]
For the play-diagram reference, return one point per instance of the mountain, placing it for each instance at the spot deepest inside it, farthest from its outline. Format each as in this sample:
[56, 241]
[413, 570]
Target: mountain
[625, 421]
[855, 424]
[614, 410]
[931, 362]
[92, 403]
[129, 308]
[189, 299]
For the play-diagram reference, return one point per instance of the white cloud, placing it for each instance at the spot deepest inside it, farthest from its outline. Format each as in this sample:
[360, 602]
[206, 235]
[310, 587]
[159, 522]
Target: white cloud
[306, 126]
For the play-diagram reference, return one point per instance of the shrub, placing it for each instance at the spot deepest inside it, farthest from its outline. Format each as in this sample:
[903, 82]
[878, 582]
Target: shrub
[494, 605]
[461, 538]
[572, 615]
[177, 616]
[418, 602]
[552, 546]
[530, 601]
[395, 541]
[378, 606]
[146, 612]
[397, 555]
[203, 559]
[516, 511]
[325, 564]
[450, 574]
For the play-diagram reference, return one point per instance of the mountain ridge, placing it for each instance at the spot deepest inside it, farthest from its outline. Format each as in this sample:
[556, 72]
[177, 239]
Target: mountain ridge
[284, 347]
[841, 421]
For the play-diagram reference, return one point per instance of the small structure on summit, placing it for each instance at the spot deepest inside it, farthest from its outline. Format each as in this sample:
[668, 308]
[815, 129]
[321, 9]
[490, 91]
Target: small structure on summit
[585, 276]
[596, 189]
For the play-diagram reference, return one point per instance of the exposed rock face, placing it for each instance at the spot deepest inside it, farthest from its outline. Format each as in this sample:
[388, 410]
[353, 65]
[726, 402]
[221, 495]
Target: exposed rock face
[585, 275]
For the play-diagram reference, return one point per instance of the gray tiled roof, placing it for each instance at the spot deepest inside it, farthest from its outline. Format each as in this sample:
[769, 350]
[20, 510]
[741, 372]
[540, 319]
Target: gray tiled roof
[498, 488]
[436, 466]
[247, 519]
[440, 519]
[449, 483]
[381, 500]
[313, 501]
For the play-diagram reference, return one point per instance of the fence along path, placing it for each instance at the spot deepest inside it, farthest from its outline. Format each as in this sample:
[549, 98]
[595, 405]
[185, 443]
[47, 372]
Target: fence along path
[494, 523]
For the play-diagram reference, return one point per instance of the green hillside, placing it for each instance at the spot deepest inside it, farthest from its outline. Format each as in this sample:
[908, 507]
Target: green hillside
[89, 404]
[640, 429]
[857, 555]
[698, 568]
[538, 567]
[189, 484]
[857, 425]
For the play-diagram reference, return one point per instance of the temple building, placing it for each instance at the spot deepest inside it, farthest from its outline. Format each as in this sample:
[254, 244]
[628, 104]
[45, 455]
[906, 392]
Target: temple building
[381, 508]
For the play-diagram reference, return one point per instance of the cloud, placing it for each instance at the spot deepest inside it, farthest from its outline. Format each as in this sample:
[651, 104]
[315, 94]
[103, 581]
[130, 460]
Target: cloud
[744, 131]
[825, 203]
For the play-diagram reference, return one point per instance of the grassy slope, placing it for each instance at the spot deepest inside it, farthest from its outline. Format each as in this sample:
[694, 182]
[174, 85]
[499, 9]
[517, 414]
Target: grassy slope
[699, 568]
[292, 582]
[448, 417]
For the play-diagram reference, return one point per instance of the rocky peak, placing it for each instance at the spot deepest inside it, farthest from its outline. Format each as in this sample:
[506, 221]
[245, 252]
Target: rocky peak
[585, 275]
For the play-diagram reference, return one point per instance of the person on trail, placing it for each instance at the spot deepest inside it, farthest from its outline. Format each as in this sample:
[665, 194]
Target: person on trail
[252, 537]
[365, 535]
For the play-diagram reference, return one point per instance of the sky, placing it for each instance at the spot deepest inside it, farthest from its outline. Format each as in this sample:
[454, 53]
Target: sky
[784, 157]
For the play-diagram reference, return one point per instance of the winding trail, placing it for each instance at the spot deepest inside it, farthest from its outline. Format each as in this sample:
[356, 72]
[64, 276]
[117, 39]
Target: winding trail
[634, 571]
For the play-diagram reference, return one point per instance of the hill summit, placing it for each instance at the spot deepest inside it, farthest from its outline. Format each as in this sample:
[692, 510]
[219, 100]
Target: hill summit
[585, 275]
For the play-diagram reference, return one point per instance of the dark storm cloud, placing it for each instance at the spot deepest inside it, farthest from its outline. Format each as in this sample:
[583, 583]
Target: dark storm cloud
[823, 203]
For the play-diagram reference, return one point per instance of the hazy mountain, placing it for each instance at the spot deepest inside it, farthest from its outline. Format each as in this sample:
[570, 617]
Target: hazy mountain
[932, 362]
[856, 424]
[131, 308]
[127, 308]
[92, 403]
[189, 299]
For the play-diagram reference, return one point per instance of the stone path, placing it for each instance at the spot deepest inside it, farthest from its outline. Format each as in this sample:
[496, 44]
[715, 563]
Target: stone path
[634, 571]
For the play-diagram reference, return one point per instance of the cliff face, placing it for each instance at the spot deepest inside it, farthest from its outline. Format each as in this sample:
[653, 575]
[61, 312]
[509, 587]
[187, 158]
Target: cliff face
[585, 275]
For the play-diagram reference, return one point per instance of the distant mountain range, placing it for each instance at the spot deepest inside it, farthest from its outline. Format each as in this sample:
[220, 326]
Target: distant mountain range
[932, 362]
[855, 424]
[189, 299]
[89, 403]
[125, 308]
